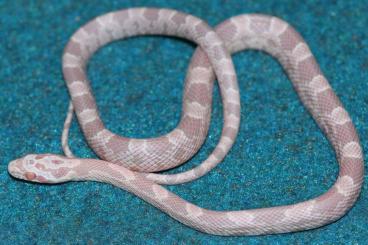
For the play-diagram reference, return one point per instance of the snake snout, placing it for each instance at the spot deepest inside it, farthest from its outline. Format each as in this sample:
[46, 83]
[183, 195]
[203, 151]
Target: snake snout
[23, 168]
[15, 170]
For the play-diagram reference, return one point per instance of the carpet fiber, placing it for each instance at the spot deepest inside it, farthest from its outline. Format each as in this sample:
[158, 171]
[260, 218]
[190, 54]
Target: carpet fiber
[280, 156]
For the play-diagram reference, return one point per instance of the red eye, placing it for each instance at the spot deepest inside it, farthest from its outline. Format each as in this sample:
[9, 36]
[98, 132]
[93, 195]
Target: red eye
[30, 175]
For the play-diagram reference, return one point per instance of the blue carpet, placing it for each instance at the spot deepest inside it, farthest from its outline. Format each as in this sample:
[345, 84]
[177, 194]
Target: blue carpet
[280, 156]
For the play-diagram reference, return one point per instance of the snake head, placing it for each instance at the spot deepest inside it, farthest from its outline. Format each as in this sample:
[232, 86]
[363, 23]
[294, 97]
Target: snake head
[42, 168]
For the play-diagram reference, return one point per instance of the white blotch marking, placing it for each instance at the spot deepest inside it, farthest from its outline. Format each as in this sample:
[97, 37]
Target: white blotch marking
[74, 94]
[175, 134]
[257, 43]
[80, 36]
[225, 64]
[212, 159]
[278, 27]
[88, 115]
[199, 75]
[128, 175]
[233, 95]
[78, 88]
[180, 178]
[70, 56]
[235, 23]
[301, 52]
[225, 144]
[344, 185]
[340, 116]
[319, 84]
[104, 135]
[304, 209]
[106, 20]
[162, 13]
[193, 210]
[160, 192]
[196, 108]
[352, 150]
[71, 61]
[212, 38]
[242, 25]
[68, 64]
[77, 83]
[133, 145]
[239, 218]
[233, 121]
[144, 147]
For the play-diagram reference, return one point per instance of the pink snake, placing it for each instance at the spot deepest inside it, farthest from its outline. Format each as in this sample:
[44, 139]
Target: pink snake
[129, 163]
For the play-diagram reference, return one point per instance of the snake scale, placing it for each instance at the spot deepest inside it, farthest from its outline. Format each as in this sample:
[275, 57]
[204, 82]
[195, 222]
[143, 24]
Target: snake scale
[129, 163]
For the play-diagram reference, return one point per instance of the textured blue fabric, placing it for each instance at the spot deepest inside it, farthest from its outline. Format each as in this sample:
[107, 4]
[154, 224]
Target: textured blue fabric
[280, 156]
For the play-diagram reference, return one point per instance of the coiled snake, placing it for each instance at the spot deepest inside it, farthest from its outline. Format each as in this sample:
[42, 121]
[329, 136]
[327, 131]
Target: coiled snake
[129, 163]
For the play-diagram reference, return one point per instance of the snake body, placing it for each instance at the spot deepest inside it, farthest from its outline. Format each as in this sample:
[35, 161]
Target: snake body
[129, 163]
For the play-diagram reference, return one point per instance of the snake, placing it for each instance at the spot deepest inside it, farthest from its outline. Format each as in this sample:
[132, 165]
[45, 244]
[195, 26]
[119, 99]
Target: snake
[130, 164]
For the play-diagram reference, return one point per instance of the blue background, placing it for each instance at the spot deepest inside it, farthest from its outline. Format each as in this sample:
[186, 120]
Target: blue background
[280, 156]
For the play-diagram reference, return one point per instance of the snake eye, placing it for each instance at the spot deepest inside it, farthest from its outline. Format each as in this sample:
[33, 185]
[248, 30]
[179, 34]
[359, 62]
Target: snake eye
[30, 175]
